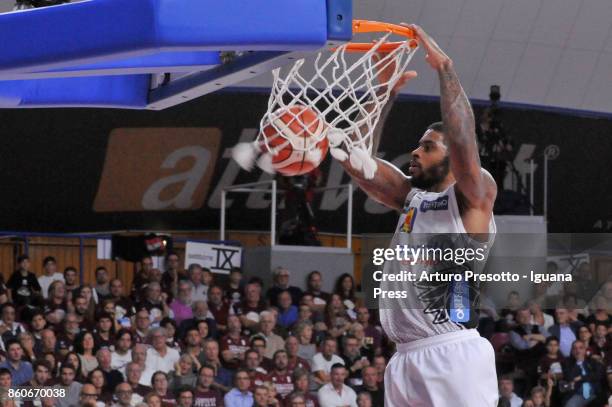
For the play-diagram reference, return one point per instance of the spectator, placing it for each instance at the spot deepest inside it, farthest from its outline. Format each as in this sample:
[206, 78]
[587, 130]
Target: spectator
[288, 313]
[260, 396]
[159, 382]
[364, 399]
[172, 275]
[142, 277]
[233, 345]
[71, 387]
[280, 278]
[21, 371]
[323, 361]
[506, 391]
[200, 290]
[139, 356]
[314, 287]
[200, 314]
[223, 377]
[41, 375]
[540, 396]
[104, 333]
[550, 364]
[23, 285]
[257, 374]
[194, 348]
[306, 349]
[219, 307]
[345, 288]
[565, 330]
[133, 373]
[372, 333]
[371, 386]
[155, 303]
[274, 342]
[183, 374]
[280, 375]
[185, 397]
[336, 393]
[181, 305]
[112, 376]
[160, 357]
[248, 309]
[583, 376]
[301, 380]
[124, 307]
[89, 396]
[205, 394]
[353, 360]
[240, 396]
[9, 328]
[85, 347]
[540, 318]
[71, 279]
[234, 292]
[143, 323]
[122, 352]
[337, 320]
[292, 347]
[380, 363]
[125, 397]
[102, 287]
[103, 392]
[49, 275]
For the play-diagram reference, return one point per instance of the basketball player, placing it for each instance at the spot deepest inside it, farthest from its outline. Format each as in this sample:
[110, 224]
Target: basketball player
[440, 360]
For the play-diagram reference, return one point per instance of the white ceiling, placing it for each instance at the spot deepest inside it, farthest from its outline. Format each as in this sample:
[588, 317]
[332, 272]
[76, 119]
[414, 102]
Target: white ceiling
[541, 52]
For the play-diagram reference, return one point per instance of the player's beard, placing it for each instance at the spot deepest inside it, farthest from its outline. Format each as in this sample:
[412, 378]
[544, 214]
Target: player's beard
[432, 176]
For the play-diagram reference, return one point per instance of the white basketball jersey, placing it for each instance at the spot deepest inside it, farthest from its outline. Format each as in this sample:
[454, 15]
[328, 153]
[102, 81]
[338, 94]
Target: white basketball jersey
[433, 216]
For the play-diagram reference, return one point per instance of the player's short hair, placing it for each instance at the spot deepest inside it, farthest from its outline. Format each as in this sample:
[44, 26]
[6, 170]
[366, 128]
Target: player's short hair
[437, 126]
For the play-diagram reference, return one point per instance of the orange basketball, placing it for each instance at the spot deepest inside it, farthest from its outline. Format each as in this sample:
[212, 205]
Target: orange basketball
[298, 126]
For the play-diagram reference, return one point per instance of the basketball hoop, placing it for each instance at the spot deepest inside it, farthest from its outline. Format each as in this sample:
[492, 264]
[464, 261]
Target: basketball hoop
[346, 94]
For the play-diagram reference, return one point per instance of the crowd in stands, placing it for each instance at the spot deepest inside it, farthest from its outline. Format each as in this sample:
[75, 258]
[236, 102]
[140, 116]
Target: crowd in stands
[191, 338]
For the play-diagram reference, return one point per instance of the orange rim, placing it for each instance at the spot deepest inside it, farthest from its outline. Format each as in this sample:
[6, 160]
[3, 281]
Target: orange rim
[367, 26]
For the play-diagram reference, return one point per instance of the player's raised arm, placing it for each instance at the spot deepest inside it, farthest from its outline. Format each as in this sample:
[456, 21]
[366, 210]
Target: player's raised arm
[475, 185]
[389, 185]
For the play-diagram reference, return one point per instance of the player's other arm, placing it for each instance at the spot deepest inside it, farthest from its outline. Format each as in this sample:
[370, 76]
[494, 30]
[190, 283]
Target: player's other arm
[390, 185]
[475, 185]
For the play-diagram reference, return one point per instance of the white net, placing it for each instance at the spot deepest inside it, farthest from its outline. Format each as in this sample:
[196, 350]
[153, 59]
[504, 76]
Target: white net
[347, 94]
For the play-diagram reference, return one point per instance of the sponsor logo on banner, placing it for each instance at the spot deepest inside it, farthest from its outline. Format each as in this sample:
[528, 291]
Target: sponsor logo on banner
[439, 204]
[218, 258]
[157, 169]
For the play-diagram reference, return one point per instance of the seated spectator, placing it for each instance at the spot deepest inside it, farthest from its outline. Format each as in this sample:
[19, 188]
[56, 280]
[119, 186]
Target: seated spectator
[172, 275]
[42, 374]
[184, 396]
[288, 313]
[205, 394]
[538, 317]
[26, 340]
[301, 381]
[292, 347]
[345, 289]
[280, 376]
[260, 396]
[337, 320]
[159, 356]
[181, 305]
[323, 361]
[200, 314]
[234, 344]
[372, 333]
[506, 392]
[280, 282]
[540, 396]
[139, 356]
[104, 333]
[353, 360]
[125, 397]
[508, 311]
[249, 307]
[240, 396]
[21, 371]
[219, 307]
[97, 378]
[380, 363]
[565, 330]
[124, 307]
[169, 325]
[89, 396]
[259, 344]
[528, 343]
[9, 327]
[599, 342]
[583, 377]
[314, 285]
[122, 352]
[550, 364]
[133, 373]
[223, 377]
[153, 400]
[72, 358]
[258, 374]
[71, 279]
[371, 386]
[85, 347]
[112, 376]
[71, 387]
[159, 382]
[155, 303]
[183, 374]
[364, 399]
[234, 290]
[336, 393]
[306, 349]
[585, 335]
[200, 290]
[193, 347]
[143, 325]
[274, 342]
